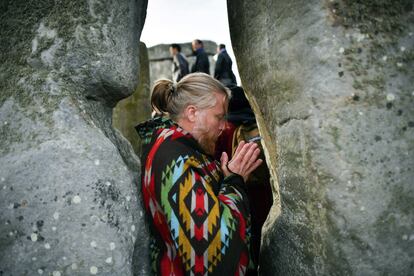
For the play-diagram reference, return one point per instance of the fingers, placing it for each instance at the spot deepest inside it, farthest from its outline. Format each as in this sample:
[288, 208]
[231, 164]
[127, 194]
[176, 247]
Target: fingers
[251, 154]
[242, 150]
[254, 166]
[239, 147]
[245, 159]
[224, 159]
[250, 160]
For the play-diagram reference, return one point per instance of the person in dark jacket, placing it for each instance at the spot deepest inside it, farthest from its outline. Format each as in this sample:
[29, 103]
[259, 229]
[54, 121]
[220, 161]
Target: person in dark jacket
[223, 71]
[241, 125]
[201, 64]
[180, 63]
[197, 207]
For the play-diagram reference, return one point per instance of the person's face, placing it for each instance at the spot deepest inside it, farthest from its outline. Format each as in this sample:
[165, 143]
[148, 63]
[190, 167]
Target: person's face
[173, 51]
[210, 123]
[195, 45]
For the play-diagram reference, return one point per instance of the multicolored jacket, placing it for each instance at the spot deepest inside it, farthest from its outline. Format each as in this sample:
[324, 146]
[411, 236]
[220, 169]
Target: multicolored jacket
[199, 221]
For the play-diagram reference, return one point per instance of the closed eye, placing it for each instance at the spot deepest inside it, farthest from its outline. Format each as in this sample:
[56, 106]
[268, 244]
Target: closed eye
[221, 117]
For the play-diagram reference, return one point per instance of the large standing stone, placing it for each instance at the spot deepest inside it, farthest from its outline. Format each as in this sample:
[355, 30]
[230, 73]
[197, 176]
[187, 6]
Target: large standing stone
[68, 181]
[137, 107]
[334, 83]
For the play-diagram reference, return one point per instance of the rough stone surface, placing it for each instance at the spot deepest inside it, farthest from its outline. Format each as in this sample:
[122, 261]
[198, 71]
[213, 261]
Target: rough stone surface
[332, 82]
[68, 180]
[136, 108]
[161, 60]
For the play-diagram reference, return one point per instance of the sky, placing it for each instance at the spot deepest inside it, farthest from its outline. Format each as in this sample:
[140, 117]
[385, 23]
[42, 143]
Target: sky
[179, 21]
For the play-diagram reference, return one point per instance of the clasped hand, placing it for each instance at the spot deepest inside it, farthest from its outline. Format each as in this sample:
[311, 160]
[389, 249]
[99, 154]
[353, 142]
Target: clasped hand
[244, 161]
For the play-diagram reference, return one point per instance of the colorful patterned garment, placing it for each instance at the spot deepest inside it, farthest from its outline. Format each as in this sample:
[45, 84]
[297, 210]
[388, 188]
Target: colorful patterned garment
[199, 220]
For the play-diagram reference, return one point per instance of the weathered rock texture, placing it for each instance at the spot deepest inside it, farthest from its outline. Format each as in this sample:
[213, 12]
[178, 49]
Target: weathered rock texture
[68, 196]
[136, 108]
[161, 60]
[333, 82]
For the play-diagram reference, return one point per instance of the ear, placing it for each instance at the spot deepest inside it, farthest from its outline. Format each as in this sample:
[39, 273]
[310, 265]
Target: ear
[191, 113]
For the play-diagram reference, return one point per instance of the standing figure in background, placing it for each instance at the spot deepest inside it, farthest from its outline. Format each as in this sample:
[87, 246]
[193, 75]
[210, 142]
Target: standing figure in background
[201, 64]
[180, 63]
[223, 71]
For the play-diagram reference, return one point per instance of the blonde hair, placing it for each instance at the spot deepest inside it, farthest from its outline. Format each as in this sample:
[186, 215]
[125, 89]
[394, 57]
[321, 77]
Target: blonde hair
[195, 89]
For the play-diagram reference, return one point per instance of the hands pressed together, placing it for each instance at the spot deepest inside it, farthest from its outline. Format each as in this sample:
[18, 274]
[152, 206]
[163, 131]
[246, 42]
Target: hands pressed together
[244, 161]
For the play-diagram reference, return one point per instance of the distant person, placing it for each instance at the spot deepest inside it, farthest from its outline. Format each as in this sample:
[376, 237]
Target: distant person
[201, 64]
[180, 63]
[223, 71]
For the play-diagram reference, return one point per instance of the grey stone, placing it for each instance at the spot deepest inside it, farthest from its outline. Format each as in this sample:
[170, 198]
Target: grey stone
[331, 82]
[68, 180]
[136, 108]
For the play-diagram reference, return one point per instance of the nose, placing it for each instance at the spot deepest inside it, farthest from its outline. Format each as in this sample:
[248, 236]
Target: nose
[223, 125]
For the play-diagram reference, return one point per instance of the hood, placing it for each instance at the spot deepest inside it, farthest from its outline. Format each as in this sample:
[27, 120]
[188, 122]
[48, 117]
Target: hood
[146, 129]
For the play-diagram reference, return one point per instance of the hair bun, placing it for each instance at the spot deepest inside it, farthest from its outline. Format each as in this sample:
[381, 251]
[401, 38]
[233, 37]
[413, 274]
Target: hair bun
[172, 89]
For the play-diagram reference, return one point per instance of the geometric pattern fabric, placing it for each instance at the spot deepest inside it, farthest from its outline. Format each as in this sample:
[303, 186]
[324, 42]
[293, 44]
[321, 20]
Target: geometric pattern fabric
[199, 221]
